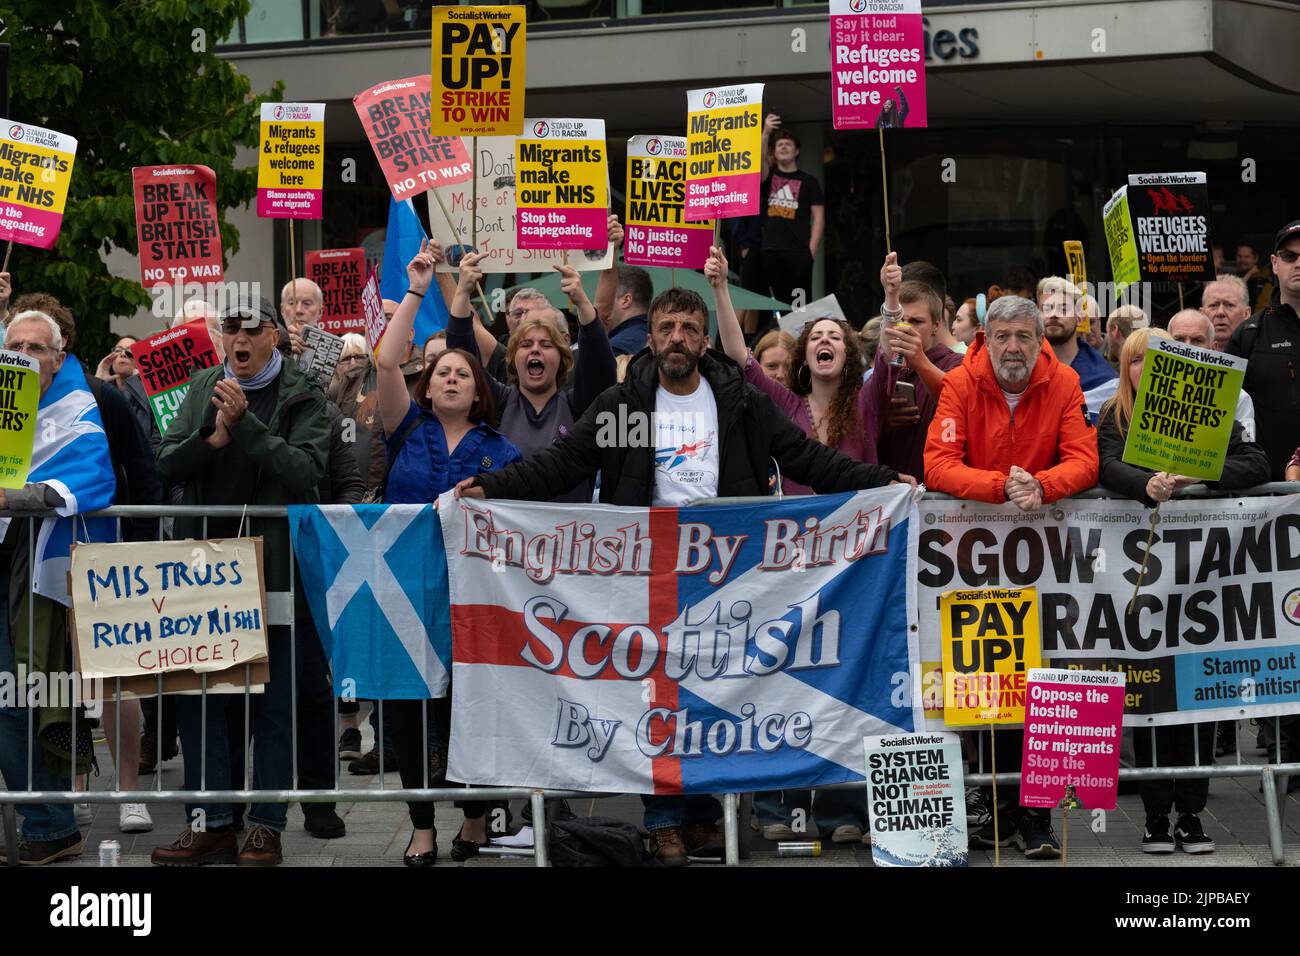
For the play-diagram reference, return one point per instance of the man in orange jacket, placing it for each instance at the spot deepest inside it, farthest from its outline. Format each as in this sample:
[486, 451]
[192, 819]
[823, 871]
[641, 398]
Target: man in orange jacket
[1011, 425]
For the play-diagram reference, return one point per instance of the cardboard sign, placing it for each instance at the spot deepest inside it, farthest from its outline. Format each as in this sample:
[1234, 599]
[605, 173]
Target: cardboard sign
[655, 230]
[1183, 410]
[824, 308]
[320, 353]
[396, 117]
[478, 70]
[1172, 214]
[1071, 747]
[724, 136]
[1078, 269]
[35, 170]
[168, 606]
[167, 361]
[1119, 241]
[877, 64]
[339, 273]
[372, 311]
[916, 800]
[20, 393]
[990, 642]
[176, 224]
[562, 173]
[491, 223]
[291, 161]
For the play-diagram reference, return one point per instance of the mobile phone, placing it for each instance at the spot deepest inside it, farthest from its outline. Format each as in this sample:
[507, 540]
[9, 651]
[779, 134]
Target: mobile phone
[907, 392]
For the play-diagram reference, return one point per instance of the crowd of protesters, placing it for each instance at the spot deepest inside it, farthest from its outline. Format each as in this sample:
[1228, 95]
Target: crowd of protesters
[999, 399]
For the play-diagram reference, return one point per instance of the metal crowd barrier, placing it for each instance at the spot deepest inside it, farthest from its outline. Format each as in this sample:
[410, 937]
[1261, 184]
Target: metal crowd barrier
[280, 611]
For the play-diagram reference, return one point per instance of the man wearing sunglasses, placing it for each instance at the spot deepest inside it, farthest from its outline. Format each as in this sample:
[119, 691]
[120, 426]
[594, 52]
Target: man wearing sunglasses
[1270, 341]
[251, 431]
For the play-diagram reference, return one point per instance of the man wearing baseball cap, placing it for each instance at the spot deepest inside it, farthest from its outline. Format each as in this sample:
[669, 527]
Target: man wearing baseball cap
[1270, 341]
[252, 431]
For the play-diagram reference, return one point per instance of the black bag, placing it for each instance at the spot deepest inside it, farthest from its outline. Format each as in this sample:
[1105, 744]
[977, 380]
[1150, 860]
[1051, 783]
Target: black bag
[597, 841]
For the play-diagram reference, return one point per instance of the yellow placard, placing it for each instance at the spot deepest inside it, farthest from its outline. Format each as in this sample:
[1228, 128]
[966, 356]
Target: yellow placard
[990, 640]
[292, 155]
[724, 133]
[478, 71]
[1078, 268]
[20, 393]
[35, 170]
[568, 174]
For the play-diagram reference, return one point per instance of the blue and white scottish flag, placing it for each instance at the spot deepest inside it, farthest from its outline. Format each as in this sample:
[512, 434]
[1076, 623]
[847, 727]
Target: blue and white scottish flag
[680, 650]
[71, 456]
[376, 582]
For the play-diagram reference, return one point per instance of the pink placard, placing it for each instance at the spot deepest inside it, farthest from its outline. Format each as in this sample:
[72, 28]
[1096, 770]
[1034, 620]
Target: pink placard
[877, 64]
[550, 227]
[290, 203]
[1072, 738]
[723, 197]
[31, 227]
[670, 246]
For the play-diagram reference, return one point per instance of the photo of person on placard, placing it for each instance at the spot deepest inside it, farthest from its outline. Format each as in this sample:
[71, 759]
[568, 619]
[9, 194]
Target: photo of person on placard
[893, 115]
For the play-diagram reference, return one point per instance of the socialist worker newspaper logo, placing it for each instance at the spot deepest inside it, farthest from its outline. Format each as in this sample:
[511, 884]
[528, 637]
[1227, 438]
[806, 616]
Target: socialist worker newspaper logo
[17, 132]
[541, 128]
[710, 98]
[654, 147]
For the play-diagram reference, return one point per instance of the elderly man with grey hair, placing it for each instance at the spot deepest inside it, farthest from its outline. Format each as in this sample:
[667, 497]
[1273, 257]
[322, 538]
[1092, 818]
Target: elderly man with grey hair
[1226, 300]
[301, 303]
[1195, 327]
[1011, 425]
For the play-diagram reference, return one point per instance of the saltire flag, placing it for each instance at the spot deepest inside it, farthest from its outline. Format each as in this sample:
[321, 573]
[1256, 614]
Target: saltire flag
[70, 455]
[376, 582]
[401, 245]
[661, 650]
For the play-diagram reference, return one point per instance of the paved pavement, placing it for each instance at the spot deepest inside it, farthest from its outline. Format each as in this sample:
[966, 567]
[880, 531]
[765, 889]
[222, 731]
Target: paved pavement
[377, 832]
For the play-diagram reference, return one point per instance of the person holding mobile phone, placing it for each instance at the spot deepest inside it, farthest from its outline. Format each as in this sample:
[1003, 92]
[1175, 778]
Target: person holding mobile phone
[908, 393]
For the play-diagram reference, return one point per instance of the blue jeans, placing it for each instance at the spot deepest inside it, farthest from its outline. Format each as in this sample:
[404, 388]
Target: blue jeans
[271, 713]
[827, 808]
[673, 811]
[41, 821]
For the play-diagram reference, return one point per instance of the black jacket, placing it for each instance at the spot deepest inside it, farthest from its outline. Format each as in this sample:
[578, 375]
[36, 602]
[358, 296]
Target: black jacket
[133, 391]
[138, 481]
[341, 483]
[1245, 466]
[1270, 341]
[752, 432]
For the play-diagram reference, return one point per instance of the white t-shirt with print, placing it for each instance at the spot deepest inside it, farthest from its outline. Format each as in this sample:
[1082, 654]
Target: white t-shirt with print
[686, 446]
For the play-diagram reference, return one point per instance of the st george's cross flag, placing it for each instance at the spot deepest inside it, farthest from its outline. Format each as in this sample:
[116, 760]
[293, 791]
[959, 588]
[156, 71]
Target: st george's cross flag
[376, 582]
[705, 649]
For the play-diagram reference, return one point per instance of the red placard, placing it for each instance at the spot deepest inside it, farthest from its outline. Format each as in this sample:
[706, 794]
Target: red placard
[372, 308]
[176, 224]
[340, 273]
[167, 360]
[396, 117]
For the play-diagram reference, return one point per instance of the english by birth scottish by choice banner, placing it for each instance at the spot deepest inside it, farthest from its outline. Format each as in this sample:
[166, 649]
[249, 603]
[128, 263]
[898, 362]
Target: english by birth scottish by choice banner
[1213, 633]
[691, 650]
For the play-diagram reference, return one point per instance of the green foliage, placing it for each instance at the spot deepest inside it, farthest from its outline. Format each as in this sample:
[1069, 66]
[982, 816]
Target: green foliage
[135, 84]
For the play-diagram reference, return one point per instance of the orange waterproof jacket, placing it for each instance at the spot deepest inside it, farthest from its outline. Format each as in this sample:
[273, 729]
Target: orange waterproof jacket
[974, 439]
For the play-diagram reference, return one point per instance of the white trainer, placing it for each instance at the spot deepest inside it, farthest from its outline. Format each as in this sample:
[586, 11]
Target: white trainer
[134, 818]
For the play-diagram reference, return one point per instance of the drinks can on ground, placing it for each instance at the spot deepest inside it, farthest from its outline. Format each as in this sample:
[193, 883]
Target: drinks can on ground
[808, 848]
[110, 853]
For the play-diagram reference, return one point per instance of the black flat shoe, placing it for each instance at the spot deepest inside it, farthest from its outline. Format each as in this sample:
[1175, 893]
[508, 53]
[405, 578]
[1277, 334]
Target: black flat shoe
[462, 850]
[421, 859]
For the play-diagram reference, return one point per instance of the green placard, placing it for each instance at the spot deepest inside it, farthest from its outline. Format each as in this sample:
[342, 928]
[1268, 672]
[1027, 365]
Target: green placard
[1119, 241]
[1183, 411]
[20, 393]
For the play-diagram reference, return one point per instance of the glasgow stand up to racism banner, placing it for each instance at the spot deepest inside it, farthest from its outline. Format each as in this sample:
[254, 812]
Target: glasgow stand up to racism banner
[665, 650]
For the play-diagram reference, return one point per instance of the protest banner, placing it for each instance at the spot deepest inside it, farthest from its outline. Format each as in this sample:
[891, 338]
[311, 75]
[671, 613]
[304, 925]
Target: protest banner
[168, 606]
[916, 800]
[1214, 633]
[483, 216]
[176, 224]
[724, 136]
[877, 64]
[990, 641]
[372, 311]
[320, 353]
[479, 59]
[20, 392]
[396, 117]
[622, 637]
[35, 170]
[1073, 721]
[1172, 214]
[339, 273]
[1078, 269]
[563, 174]
[824, 308]
[167, 361]
[1183, 410]
[1120, 243]
[654, 230]
[291, 161]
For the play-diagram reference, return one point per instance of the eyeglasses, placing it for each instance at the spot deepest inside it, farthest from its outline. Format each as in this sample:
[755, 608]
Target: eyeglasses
[352, 358]
[518, 313]
[31, 348]
[124, 350]
[233, 326]
[1289, 256]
